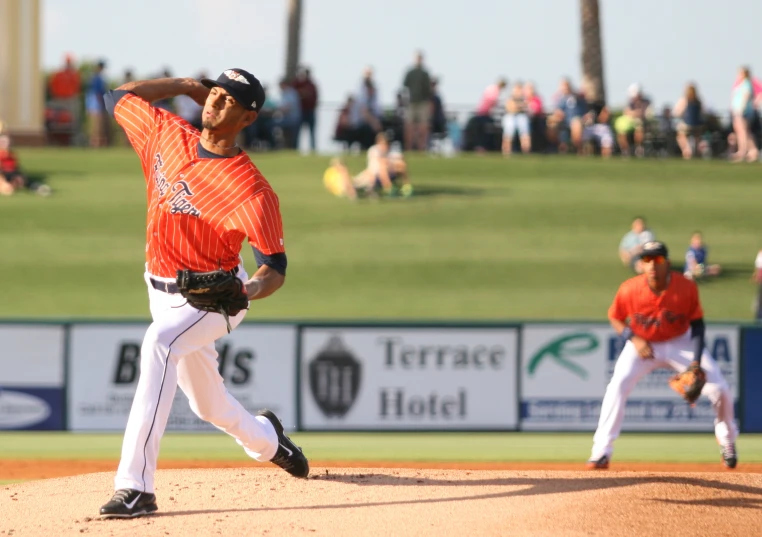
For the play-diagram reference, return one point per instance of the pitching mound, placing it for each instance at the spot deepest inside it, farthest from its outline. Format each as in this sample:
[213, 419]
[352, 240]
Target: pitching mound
[388, 501]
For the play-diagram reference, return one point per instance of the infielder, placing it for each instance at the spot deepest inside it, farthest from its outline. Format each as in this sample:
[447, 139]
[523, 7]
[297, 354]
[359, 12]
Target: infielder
[204, 198]
[660, 316]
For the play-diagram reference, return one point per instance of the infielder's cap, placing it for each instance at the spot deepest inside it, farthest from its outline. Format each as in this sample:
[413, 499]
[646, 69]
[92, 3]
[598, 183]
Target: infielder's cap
[242, 85]
[654, 248]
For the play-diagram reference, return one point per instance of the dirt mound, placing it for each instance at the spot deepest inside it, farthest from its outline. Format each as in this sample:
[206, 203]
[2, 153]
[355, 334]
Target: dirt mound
[389, 501]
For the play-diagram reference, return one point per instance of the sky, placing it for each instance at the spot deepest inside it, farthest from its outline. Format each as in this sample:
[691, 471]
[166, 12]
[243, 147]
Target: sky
[661, 44]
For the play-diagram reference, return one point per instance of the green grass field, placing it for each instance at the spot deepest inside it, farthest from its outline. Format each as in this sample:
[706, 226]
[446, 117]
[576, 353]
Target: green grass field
[485, 238]
[431, 447]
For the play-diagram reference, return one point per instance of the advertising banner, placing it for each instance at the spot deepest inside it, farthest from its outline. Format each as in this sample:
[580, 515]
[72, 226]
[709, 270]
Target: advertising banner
[257, 363]
[409, 378]
[32, 377]
[566, 367]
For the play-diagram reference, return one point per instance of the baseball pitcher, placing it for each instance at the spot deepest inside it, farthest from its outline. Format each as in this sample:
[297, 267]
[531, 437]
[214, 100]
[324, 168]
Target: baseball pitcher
[204, 198]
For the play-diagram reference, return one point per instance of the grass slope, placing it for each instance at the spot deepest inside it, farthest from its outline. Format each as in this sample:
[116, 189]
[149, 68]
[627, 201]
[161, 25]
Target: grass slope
[484, 238]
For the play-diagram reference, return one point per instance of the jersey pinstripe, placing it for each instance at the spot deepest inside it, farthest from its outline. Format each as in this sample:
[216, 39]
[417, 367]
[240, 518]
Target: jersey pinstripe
[200, 210]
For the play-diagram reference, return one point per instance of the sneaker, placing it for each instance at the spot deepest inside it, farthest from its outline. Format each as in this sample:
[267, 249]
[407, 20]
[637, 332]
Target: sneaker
[129, 503]
[289, 456]
[601, 463]
[729, 455]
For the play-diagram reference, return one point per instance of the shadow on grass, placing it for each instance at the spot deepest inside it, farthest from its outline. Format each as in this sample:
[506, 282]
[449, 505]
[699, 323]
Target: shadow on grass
[442, 190]
[529, 486]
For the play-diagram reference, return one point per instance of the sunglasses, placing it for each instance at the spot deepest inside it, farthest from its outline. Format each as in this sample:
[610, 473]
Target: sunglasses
[658, 259]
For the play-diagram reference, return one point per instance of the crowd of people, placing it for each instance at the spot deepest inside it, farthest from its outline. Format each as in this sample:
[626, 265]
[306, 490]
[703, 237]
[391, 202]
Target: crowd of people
[508, 117]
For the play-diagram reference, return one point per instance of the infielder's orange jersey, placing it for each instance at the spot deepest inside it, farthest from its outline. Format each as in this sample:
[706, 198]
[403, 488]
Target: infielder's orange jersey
[657, 317]
[199, 209]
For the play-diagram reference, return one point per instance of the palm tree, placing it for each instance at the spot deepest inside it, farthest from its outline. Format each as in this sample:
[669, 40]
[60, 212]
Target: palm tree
[293, 38]
[592, 50]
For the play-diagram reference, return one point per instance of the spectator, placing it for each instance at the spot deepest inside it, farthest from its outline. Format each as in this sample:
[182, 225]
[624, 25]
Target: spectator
[756, 277]
[690, 124]
[308, 101]
[11, 178]
[744, 116]
[96, 108]
[386, 170]
[516, 119]
[65, 88]
[438, 124]
[128, 76]
[482, 124]
[188, 109]
[365, 116]
[417, 84]
[490, 98]
[343, 131]
[630, 126]
[290, 114]
[597, 128]
[169, 103]
[260, 135]
[696, 266]
[566, 122]
[632, 244]
[534, 102]
[338, 181]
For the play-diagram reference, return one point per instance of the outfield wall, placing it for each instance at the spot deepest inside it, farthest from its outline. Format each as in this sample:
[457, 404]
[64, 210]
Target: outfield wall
[370, 376]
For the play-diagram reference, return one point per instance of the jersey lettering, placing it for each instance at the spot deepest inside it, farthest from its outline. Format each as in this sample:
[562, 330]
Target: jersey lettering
[200, 210]
[657, 317]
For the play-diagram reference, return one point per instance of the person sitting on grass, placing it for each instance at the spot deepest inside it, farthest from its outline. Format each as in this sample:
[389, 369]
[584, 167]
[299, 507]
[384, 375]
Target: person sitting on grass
[338, 181]
[11, 178]
[386, 172]
[696, 267]
[632, 243]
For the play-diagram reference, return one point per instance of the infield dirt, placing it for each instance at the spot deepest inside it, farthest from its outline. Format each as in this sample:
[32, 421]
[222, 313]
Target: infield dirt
[531, 499]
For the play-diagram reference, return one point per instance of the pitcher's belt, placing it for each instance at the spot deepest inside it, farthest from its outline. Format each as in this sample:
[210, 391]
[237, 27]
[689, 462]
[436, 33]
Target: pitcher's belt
[171, 287]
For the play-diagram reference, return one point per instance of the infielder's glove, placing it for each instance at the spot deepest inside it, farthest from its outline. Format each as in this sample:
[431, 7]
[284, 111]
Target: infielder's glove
[218, 291]
[689, 383]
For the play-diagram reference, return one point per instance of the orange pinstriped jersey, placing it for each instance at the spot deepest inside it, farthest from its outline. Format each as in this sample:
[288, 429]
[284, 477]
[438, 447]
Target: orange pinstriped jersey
[199, 209]
[657, 317]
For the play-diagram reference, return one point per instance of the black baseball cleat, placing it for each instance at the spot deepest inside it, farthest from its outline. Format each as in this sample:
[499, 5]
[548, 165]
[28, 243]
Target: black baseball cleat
[729, 455]
[129, 503]
[289, 456]
[601, 463]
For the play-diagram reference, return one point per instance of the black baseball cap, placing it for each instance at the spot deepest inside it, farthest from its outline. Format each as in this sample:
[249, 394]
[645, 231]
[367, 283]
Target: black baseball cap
[654, 248]
[242, 86]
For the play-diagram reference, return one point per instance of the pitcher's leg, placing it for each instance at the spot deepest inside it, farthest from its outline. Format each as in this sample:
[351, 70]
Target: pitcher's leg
[200, 380]
[148, 416]
[174, 333]
[629, 369]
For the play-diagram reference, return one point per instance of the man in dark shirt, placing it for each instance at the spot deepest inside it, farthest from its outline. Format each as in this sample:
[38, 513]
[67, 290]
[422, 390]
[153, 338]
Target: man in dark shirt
[418, 111]
[308, 96]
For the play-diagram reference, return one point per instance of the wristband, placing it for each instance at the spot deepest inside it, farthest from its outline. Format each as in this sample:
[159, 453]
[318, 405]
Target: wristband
[627, 333]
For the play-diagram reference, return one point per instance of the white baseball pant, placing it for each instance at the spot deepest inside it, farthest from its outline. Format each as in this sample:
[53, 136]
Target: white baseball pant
[676, 353]
[178, 350]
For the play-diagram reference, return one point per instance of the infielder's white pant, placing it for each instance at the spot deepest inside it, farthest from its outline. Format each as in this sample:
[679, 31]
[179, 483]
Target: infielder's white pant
[178, 350]
[630, 368]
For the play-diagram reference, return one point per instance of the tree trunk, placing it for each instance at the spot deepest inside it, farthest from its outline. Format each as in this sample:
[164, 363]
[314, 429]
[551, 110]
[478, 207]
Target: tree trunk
[592, 51]
[293, 38]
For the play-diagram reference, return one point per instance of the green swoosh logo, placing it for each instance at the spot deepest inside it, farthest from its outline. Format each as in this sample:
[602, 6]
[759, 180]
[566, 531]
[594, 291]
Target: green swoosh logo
[562, 348]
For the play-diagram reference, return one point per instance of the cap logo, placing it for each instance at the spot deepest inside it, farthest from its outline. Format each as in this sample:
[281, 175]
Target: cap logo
[235, 75]
[652, 245]
[253, 103]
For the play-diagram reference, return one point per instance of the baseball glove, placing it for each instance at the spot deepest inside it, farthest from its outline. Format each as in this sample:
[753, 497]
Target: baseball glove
[218, 291]
[689, 383]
